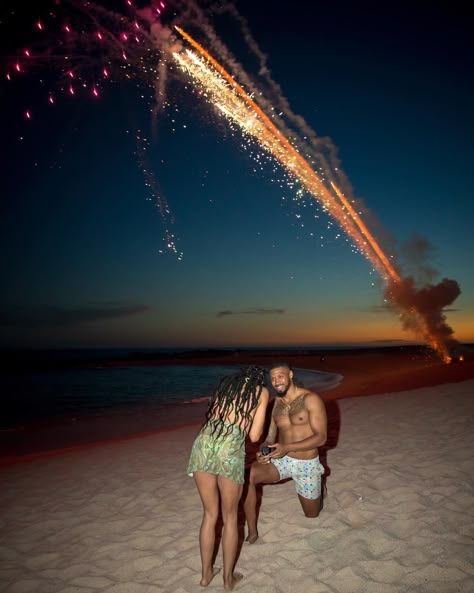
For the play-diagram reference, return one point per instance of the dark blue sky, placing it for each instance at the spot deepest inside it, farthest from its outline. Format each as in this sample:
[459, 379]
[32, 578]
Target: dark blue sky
[81, 234]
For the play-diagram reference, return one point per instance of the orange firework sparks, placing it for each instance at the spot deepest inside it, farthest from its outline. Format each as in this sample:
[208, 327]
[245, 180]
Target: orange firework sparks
[236, 104]
[375, 246]
[220, 89]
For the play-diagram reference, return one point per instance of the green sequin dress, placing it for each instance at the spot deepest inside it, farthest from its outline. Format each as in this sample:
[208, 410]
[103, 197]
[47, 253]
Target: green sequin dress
[223, 455]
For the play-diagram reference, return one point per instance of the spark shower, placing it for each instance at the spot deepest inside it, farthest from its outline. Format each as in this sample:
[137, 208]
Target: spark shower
[151, 43]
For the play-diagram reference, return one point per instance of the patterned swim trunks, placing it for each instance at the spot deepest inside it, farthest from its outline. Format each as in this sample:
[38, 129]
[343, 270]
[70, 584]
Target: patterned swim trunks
[306, 473]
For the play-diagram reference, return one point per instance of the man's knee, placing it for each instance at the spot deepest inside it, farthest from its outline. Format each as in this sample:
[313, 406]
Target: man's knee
[255, 473]
[311, 508]
[262, 473]
[312, 514]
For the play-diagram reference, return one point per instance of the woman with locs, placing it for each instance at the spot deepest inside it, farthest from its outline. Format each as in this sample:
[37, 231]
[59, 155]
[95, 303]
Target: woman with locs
[236, 411]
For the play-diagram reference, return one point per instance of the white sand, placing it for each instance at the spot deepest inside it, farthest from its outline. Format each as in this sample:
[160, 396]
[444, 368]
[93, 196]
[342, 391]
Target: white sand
[124, 518]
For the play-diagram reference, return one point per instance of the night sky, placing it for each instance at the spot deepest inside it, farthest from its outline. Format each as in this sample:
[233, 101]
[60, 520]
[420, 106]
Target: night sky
[84, 263]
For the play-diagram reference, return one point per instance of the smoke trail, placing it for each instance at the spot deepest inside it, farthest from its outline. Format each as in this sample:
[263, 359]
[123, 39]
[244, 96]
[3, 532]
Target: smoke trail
[426, 302]
[321, 150]
[419, 302]
[416, 295]
[420, 308]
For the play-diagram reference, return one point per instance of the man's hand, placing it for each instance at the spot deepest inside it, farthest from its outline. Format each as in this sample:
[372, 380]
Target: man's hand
[263, 458]
[278, 450]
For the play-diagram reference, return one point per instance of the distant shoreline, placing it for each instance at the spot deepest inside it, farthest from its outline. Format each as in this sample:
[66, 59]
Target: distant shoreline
[45, 359]
[366, 371]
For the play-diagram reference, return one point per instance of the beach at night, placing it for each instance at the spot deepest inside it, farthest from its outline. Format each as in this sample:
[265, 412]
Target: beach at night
[365, 371]
[191, 187]
[113, 509]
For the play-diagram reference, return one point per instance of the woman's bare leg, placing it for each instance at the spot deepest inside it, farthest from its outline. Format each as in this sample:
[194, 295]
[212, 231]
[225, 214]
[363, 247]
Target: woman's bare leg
[230, 495]
[207, 488]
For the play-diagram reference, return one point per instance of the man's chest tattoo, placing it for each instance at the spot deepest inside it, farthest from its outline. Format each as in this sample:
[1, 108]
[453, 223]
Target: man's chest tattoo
[291, 409]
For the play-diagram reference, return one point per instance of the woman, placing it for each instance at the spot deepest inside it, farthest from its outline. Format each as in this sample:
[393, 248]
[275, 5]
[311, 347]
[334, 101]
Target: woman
[236, 410]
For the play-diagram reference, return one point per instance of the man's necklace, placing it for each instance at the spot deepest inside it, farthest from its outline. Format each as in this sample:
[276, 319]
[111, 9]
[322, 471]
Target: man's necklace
[288, 405]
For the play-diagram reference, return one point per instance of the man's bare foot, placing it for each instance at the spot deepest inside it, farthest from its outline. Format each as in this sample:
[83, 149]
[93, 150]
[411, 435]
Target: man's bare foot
[208, 578]
[236, 577]
[251, 538]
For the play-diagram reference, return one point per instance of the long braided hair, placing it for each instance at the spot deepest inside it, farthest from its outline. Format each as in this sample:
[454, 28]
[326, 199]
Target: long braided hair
[238, 393]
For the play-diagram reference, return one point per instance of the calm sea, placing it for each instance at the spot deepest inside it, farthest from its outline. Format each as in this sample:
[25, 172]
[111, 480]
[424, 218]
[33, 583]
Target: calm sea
[70, 391]
[41, 395]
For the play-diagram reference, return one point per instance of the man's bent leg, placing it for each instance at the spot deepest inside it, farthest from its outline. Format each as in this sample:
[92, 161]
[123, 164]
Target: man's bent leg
[311, 508]
[307, 477]
[260, 473]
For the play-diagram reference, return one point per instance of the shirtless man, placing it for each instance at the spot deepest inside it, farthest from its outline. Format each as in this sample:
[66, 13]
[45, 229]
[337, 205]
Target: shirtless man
[299, 418]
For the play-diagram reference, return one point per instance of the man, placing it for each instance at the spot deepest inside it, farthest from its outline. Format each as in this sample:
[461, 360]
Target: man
[299, 418]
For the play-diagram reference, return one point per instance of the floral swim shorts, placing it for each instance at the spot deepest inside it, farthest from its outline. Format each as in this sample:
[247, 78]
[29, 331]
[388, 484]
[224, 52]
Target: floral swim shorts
[306, 473]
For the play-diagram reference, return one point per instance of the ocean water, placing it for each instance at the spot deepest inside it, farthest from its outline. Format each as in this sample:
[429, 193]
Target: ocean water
[47, 394]
[38, 395]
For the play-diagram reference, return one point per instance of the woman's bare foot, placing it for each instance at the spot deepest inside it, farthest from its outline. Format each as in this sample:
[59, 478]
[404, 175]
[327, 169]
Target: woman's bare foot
[236, 577]
[209, 576]
[251, 538]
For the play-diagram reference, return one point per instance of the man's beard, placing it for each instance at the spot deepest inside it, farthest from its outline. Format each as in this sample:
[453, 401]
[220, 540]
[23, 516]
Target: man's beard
[284, 392]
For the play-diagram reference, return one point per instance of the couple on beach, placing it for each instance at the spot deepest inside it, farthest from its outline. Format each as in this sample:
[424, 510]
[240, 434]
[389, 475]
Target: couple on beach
[237, 410]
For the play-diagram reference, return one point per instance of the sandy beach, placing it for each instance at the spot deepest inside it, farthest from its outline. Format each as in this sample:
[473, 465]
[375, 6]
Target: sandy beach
[123, 517]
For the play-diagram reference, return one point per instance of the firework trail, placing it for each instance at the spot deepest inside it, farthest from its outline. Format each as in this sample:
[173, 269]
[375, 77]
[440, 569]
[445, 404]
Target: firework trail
[79, 47]
[419, 311]
[146, 48]
[237, 105]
